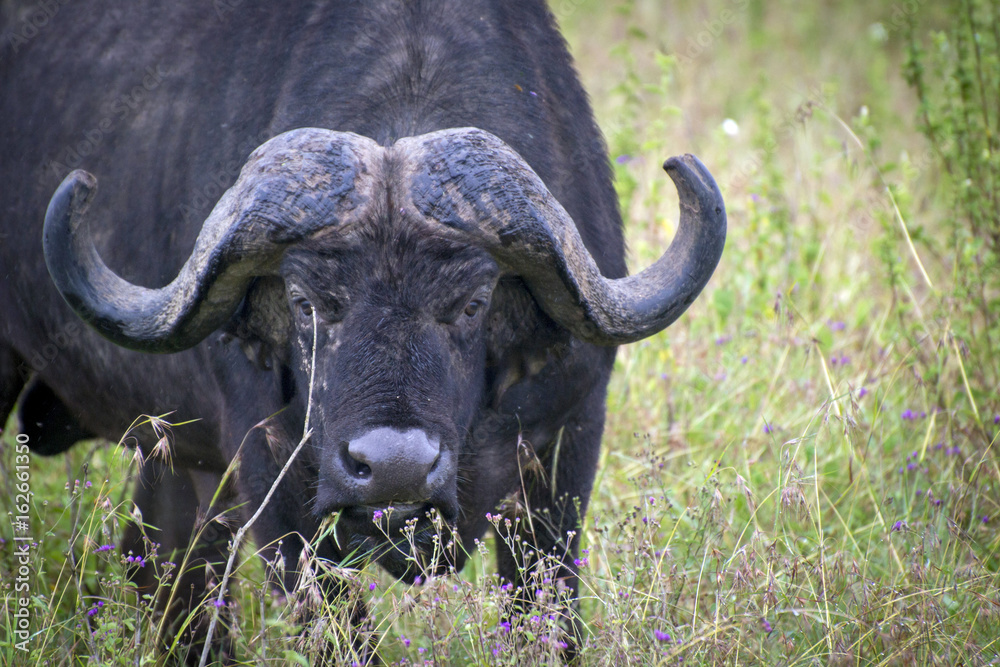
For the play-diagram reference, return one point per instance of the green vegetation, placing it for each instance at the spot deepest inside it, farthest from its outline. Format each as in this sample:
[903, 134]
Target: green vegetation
[802, 470]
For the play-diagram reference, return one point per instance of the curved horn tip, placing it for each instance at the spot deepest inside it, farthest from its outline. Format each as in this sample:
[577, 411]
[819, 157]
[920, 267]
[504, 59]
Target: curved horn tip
[689, 174]
[73, 196]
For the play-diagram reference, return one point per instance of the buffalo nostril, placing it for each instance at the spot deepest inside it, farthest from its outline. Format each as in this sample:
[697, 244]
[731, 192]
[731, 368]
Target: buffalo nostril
[354, 463]
[394, 464]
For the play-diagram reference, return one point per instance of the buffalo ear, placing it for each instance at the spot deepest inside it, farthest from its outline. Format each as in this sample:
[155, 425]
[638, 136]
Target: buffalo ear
[262, 323]
[520, 339]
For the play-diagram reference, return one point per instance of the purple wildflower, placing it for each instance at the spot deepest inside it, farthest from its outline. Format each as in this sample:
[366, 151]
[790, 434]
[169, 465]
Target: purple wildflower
[377, 515]
[907, 415]
[766, 626]
[743, 359]
[219, 604]
[862, 392]
[622, 159]
[899, 525]
[996, 419]
[836, 325]
[722, 340]
[505, 626]
[985, 518]
[372, 586]
[833, 361]
[768, 428]
[661, 636]
[105, 547]
[844, 360]
[406, 642]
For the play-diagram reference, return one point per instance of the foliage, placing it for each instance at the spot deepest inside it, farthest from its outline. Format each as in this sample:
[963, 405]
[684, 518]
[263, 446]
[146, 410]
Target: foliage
[800, 471]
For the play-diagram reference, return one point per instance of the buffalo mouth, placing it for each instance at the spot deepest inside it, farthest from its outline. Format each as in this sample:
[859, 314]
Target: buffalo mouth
[407, 539]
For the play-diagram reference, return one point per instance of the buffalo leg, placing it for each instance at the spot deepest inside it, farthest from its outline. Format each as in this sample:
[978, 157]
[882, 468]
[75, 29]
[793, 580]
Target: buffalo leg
[556, 500]
[175, 506]
[11, 382]
[48, 423]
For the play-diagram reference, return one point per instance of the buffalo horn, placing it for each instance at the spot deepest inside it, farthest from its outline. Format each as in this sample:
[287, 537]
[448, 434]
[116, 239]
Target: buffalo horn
[471, 181]
[292, 186]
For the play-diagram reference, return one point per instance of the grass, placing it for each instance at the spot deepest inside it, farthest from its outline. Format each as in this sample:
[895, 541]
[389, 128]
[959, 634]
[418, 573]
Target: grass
[802, 470]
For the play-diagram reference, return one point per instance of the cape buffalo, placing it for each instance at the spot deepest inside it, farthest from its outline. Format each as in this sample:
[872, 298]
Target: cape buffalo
[391, 221]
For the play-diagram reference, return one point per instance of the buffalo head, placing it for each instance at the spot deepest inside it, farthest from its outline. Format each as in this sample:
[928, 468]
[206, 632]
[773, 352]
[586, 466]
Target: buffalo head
[370, 275]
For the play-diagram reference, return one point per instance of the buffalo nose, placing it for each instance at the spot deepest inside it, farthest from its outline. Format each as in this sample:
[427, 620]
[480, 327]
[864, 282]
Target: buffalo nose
[393, 465]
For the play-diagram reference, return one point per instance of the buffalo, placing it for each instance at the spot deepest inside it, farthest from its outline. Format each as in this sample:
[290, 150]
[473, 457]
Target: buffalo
[375, 244]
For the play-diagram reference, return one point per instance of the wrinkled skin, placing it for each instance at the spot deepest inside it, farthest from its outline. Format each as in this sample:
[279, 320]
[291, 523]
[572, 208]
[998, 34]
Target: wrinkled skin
[415, 337]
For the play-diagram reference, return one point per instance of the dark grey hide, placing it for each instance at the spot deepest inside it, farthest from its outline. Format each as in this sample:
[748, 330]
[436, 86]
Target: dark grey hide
[281, 211]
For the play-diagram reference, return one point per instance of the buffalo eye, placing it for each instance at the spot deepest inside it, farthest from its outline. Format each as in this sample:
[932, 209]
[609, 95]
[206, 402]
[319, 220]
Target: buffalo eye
[473, 307]
[304, 308]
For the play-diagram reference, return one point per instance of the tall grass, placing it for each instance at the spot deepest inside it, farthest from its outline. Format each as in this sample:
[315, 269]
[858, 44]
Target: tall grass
[801, 471]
